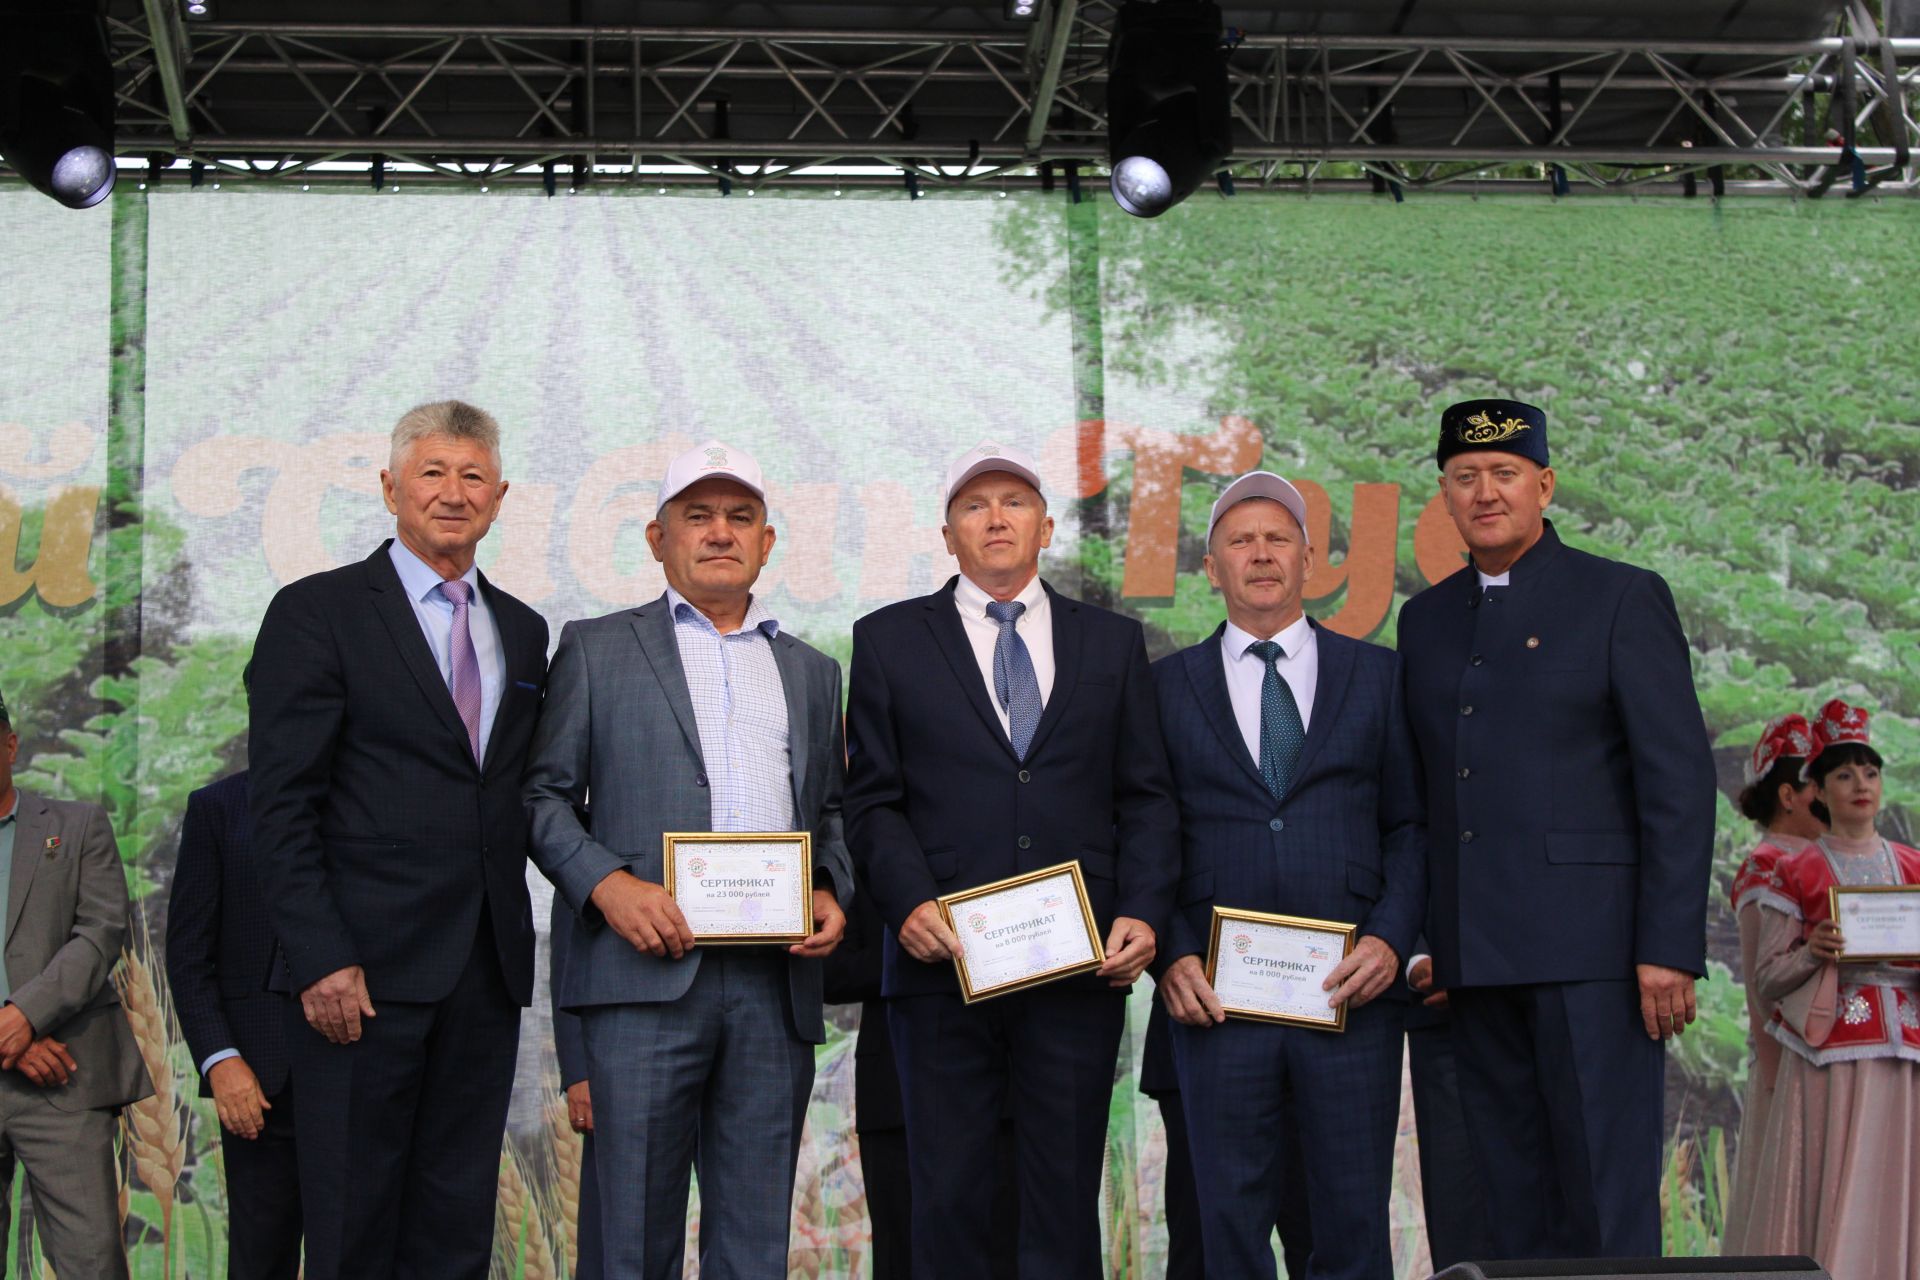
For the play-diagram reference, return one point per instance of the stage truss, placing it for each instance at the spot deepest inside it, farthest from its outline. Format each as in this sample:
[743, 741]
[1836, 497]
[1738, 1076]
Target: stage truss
[738, 110]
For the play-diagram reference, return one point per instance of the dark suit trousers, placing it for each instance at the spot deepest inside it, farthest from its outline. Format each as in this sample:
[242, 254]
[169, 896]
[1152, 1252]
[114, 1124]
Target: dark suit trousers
[1049, 1052]
[1185, 1254]
[1450, 1183]
[883, 1168]
[1245, 1084]
[1563, 1092]
[263, 1197]
[400, 1131]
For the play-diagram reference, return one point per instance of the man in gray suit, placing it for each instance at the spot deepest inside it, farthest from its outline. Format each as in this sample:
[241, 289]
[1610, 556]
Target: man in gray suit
[68, 1060]
[694, 712]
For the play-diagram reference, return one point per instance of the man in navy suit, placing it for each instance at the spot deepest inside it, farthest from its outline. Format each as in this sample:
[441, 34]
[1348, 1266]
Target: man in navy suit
[1298, 795]
[392, 704]
[996, 727]
[1570, 792]
[219, 952]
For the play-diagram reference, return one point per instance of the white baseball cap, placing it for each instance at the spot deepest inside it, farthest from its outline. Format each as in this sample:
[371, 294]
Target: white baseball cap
[1260, 484]
[704, 461]
[990, 457]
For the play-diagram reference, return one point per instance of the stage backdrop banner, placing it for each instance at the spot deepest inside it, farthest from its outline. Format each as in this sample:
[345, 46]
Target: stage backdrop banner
[198, 385]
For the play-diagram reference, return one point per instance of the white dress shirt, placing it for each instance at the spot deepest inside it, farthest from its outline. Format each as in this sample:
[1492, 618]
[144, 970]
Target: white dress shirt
[1299, 665]
[1035, 626]
[435, 614]
[1495, 580]
[740, 708]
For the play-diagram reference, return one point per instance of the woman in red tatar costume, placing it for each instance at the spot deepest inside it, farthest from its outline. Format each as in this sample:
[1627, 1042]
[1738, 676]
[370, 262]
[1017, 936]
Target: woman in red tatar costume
[1781, 803]
[1842, 1149]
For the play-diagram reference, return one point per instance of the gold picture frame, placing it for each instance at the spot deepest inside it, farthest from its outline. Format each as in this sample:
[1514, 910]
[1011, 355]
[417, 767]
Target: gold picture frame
[1834, 894]
[685, 846]
[1223, 916]
[950, 910]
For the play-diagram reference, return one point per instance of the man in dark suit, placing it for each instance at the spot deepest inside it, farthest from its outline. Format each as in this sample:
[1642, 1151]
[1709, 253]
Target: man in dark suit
[694, 712]
[392, 705]
[996, 727]
[219, 952]
[1570, 792]
[68, 1060]
[1298, 795]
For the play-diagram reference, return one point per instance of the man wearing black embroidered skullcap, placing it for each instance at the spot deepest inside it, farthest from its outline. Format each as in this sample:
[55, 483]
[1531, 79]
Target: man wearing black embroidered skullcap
[1570, 803]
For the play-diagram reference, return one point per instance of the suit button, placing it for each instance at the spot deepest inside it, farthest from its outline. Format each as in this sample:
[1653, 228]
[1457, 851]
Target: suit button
[1466, 711]
[1278, 824]
[1477, 659]
[700, 780]
[1465, 772]
[1025, 842]
[1466, 837]
[1025, 776]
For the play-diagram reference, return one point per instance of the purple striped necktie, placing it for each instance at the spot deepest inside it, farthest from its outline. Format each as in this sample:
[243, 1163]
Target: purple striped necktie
[466, 663]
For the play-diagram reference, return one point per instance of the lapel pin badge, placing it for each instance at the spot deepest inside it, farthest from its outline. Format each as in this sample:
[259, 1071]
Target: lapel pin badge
[1533, 642]
[53, 842]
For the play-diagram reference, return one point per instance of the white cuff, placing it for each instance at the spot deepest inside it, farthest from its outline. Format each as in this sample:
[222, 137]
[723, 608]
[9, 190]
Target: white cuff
[221, 1056]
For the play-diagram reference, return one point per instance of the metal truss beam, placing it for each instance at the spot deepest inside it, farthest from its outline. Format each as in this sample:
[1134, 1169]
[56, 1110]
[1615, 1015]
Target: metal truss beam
[470, 104]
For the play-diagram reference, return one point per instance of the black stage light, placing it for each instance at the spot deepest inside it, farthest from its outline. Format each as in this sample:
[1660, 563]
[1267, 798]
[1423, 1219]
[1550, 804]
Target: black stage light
[1168, 122]
[56, 101]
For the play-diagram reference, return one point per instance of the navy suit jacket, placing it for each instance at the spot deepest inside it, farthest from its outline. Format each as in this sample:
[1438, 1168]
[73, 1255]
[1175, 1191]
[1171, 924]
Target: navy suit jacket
[219, 943]
[1346, 842]
[937, 801]
[378, 837]
[1569, 780]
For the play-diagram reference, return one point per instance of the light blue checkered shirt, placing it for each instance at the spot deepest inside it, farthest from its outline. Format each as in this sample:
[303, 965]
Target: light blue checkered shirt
[740, 705]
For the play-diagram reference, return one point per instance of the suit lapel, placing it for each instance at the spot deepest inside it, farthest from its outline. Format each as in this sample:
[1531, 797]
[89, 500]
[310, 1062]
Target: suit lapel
[793, 680]
[515, 644]
[653, 625]
[1329, 692]
[944, 620]
[1068, 632]
[31, 829]
[1209, 680]
[403, 625]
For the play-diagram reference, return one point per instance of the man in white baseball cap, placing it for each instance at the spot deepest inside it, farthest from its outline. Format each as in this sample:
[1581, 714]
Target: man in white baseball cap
[1299, 793]
[998, 727]
[718, 719]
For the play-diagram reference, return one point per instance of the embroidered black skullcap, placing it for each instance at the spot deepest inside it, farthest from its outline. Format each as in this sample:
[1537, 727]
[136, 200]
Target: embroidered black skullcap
[1507, 425]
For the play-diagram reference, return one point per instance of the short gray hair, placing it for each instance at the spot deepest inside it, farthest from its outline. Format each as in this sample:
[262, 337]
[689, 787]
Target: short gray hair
[454, 418]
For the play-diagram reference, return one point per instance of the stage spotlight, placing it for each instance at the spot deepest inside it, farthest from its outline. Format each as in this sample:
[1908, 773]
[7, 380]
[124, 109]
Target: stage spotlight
[56, 104]
[1022, 10]
[1168, 125]
[199, 10]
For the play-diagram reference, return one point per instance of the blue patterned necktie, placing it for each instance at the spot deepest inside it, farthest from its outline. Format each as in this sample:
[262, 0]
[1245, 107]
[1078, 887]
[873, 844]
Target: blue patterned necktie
[1013, 680]
[1281, 733]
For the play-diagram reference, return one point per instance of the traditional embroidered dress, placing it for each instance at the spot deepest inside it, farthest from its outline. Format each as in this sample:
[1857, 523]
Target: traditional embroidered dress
[1755, 877]
[1841, 1174]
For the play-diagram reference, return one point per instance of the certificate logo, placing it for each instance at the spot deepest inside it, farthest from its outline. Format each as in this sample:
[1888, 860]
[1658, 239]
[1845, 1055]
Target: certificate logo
[1241, 942]
[696, 866]
[977, 921]
[1318, 953]
[773, 866]
[1050, 901]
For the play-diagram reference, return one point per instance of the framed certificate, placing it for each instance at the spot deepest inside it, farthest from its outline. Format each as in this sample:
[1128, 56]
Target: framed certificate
[742, 887]
[1879, 922]
[1270, 968]
[1023, 931]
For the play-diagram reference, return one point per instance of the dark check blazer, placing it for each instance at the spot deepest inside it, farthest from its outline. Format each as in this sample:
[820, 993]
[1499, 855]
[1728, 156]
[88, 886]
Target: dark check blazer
[1347, 841]
[219, 943]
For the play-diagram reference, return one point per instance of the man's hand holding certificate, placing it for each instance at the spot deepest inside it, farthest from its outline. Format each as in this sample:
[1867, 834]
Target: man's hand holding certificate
[1279, 968]
[1019, 932]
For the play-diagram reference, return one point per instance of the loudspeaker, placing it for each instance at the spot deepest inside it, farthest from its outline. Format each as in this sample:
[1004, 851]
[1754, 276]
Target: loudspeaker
[1771, 1268]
